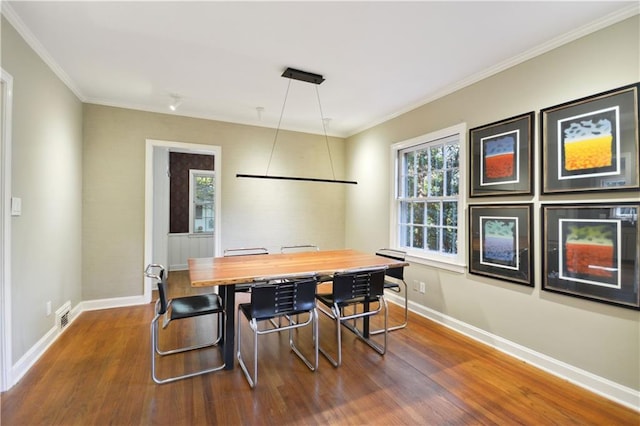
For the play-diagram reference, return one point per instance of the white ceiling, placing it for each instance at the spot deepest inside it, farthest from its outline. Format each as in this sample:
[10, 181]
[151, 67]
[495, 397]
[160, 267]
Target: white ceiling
[225, 59]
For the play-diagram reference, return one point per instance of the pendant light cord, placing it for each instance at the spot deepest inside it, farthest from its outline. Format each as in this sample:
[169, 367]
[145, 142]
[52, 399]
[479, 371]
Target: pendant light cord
[324, 129]
[275, 138]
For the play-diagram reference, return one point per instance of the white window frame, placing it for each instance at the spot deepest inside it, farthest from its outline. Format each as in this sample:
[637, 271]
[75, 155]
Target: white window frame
[457, 262]
[192, 181]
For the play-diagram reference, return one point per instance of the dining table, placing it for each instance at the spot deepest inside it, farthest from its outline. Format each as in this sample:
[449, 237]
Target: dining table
[226, 272]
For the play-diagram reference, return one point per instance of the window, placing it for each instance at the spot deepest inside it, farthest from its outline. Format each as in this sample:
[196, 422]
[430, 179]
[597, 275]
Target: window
[201, 201]
[428, 207]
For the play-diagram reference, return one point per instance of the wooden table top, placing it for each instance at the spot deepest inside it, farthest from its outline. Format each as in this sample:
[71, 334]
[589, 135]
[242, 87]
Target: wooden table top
[211, 271]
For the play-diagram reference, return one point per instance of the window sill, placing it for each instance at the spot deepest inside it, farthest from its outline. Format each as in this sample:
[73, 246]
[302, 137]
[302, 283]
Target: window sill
[440, 264]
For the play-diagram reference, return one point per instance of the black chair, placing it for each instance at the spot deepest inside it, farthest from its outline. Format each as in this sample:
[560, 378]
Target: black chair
[244, 251]
[282, 298]
[393, 278]
[177, 309]
[357, 288]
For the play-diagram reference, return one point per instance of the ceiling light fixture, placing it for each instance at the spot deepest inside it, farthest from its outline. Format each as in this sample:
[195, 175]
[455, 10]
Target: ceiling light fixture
[294, 74]
[176, 102]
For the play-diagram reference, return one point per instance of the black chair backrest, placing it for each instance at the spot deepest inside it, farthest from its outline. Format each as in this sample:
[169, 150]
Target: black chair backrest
[367, 284]
[299, 248]
[245, 251]
[162, 293]
[281, 298]
[395, 272]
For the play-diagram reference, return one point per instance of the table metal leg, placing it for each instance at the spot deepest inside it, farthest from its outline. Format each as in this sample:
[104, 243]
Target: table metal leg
[365, 321]
[228, 293]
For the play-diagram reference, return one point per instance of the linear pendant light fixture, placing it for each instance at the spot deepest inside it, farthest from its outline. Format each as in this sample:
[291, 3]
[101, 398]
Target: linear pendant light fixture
[307, 77]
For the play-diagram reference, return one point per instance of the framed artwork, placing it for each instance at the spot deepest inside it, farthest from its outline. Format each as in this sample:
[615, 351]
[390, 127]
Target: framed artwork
[592, 251]
[501, 157]
[500, 242]
[591, 144]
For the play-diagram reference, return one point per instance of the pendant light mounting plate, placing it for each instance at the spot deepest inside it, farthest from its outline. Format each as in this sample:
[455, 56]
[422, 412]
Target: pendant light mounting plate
[305, 76]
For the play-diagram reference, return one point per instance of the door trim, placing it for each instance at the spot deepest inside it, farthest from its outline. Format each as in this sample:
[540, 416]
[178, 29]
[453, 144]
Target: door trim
[192, 148]
[6, 380]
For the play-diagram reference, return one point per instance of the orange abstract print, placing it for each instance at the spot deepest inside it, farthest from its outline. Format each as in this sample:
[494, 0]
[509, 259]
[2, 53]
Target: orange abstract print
[588, 153]
[499, 166]
[590, 259]
[589, 249]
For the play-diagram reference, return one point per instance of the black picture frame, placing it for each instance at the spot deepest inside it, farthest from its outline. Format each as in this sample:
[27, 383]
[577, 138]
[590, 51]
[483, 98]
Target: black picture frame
[592, 251]
[502, 157]
[500, 242]
[591, 144]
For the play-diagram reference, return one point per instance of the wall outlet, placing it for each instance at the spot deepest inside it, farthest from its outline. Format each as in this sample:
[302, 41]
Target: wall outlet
[49, 308]
[422, 287]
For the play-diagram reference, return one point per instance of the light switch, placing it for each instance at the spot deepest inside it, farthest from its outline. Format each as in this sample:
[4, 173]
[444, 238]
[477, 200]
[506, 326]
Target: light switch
[16, 206]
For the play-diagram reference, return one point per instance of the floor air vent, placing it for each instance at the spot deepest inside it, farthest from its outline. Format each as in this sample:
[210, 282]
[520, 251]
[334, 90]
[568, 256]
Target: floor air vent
[62, 316]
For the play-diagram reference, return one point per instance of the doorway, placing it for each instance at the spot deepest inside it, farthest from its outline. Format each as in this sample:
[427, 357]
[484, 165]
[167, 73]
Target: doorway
[157, 190]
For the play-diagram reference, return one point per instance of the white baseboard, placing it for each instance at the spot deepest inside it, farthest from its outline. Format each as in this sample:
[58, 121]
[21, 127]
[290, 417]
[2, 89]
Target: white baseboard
[24, 364]
[116, 302]
[28, 360]
[599, 385]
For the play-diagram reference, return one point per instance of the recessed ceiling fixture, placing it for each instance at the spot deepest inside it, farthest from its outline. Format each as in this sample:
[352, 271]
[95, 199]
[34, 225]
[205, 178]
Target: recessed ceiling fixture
[294, 74]
[176, 101]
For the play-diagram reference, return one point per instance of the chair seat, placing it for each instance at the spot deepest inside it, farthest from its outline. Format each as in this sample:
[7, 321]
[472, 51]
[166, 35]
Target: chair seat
[389, 284]
[191, 306]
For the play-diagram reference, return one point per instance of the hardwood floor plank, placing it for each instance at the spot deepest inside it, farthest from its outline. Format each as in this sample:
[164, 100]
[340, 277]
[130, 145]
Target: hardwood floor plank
[98, 372]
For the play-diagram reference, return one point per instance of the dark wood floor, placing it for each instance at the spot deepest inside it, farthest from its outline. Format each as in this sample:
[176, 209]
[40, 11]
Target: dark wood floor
[97, 373]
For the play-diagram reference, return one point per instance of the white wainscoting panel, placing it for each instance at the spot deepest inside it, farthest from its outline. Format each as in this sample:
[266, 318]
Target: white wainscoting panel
[184, 246]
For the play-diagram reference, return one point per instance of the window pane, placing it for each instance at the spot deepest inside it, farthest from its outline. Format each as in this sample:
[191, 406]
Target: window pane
[437, 157]
[409, 175]
[423, 168]
[418, 237]
[436, 187]
[453, 182]
[433, 214]
[203, 202]
[204, 189]
[433, 238]
[409, 186]
[450, 240]
[405, 236]
[405, 212]
[452, 154]
[418, 213]
[450, 212]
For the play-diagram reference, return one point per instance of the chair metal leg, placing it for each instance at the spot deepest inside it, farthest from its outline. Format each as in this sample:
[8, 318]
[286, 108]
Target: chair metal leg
[381, 349]
[189, 348]
[253, 324]
[154, 353]
[334, 315]
[314, 333]
[252, 380]
[406, 313]
[340, 321]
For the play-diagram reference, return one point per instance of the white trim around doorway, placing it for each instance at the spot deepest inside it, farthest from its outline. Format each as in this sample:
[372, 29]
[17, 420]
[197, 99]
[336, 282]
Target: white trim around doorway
[6, 379]
[173, 146]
